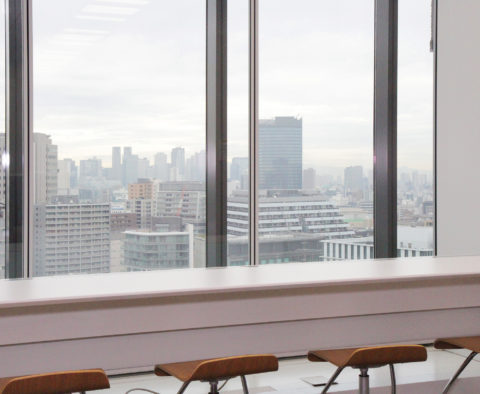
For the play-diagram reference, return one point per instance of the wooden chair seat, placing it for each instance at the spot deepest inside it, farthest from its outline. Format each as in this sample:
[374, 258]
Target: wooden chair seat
[56, 383]
[370, 356]
[219, 368]
[470, 343]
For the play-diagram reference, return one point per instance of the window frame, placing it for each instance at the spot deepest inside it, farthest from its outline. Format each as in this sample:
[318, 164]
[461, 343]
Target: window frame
[19, 132]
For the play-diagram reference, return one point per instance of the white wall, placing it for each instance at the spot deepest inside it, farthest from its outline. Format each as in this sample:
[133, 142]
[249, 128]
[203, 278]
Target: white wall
[458, 128]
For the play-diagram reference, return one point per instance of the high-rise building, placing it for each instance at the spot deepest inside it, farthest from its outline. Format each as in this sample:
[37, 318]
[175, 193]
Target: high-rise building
[280, 153]
[66, 178]
[178, 163]
[116, 173]
[146, 251]
[145, 190]
[238, 168]
[182, 199]
[45, 168]
[71, 238]
[90, 168]
[129, 166]
[309, 179]
[145, 209]
[162, 167]
[143, 168]
[195, 167]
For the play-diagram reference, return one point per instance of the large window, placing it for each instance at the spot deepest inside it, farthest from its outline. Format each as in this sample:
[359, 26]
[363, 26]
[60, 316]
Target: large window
[165, 134]
[118, 136]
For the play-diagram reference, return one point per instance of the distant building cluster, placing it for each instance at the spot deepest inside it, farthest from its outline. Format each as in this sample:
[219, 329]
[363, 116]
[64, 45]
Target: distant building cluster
[139, 214]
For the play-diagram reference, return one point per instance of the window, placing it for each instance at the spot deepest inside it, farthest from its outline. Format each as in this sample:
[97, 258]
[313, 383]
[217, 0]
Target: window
[415, 128]
[316, 127]
[126, 159]
[119, 135]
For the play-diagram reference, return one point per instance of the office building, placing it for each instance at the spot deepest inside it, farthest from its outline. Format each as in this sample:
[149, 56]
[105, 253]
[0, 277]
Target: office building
[182, 199]
[45, 168]
[144, 251]
[177, 169]
[71, 238]
[280, 153]
[67, 177]
[144, 189]
[161, 167]
[281, 213]
[116, 173]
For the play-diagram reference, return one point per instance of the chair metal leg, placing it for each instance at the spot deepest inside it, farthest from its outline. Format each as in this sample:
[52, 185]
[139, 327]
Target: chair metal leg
[459, 371]
[183, 388]
[392, 378]
[244, 384]
[363, 381]
[332, 379]
[213, 387]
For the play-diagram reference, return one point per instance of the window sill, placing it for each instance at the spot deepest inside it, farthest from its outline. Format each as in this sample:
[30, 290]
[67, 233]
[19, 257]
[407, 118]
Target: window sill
[123, 320]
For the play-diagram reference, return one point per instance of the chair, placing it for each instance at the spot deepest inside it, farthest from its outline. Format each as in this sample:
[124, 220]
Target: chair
[56, 382]
[470, 343]
[214, 370]
[369, 357]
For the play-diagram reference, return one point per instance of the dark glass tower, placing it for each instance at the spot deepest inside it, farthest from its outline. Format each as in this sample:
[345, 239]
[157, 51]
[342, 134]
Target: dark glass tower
[280, 153]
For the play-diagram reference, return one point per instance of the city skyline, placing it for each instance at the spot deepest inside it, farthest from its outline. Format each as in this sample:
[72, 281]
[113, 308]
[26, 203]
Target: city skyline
[88, 106]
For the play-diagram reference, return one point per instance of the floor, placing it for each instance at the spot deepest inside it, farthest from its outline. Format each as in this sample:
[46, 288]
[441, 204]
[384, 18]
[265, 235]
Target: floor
[424, 378]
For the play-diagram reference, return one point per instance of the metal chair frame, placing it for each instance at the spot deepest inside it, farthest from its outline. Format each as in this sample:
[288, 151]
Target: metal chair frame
[363, 379]
[458, 372]
[214, 386]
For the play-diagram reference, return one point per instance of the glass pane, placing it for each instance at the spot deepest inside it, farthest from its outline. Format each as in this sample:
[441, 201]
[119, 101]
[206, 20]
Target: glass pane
[316, 130]
[119, 135]
[415, 129]
[2, 139]
[238, 107]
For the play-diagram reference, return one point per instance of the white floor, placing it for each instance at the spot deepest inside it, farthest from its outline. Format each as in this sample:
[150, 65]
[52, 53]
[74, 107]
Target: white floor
[425, 378]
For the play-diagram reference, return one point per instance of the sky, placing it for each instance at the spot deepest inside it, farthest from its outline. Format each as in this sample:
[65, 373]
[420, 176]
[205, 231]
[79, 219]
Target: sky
[132, 73]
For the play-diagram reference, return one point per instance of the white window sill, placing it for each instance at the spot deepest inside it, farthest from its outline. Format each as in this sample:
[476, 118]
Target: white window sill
[124, 320]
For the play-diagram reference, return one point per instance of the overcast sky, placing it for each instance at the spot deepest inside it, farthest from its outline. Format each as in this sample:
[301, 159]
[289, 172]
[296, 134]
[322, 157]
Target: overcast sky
[132, 73]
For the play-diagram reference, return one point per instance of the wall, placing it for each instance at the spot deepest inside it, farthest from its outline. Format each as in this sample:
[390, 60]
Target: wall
[458, 128]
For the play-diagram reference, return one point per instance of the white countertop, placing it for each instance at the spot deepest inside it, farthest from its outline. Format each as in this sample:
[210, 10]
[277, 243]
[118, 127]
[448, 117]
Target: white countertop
[169, 283]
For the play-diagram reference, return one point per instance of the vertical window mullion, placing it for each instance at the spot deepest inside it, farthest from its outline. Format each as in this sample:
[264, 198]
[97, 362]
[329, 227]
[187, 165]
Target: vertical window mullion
[253, 135]
[216, 90]
[385, 129]
[18, 133]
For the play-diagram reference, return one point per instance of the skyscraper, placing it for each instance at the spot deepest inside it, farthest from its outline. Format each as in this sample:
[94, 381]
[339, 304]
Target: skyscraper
[178, 163]
[45, 168]
[116, 164]
[161, 167]
[129, 166]
[280, 153]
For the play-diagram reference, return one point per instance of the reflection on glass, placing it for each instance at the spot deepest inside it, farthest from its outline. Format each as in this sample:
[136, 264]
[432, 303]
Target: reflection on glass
[415, 129]
[119, 135]
[316, 130]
